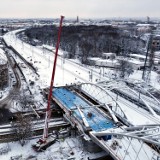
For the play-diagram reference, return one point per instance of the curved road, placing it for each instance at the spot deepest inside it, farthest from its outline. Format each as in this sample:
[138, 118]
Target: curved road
[14, 90]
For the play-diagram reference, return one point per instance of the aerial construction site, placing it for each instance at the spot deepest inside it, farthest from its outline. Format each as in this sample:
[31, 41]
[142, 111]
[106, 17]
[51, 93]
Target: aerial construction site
[54, 106]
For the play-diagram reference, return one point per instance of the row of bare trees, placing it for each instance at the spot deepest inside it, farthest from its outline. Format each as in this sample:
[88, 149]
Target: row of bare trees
[22, 124]
[22, 128]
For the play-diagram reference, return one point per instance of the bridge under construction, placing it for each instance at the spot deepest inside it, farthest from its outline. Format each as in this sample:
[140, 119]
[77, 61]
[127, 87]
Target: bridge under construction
[100, 117]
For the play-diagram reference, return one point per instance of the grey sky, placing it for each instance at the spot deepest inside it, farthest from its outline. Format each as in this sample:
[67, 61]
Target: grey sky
[81, 8]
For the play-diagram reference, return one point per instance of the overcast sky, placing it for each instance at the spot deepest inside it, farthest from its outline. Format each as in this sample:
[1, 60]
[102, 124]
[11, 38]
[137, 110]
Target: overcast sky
[81, 8]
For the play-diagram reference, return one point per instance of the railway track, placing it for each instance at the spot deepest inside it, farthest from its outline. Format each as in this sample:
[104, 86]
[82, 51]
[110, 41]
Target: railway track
[134, 100]
[19, 78]
[21, 57]
[149, 117]
[14, 89]
[7, 131]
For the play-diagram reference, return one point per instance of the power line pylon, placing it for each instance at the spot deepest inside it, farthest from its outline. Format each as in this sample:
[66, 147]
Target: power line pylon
[149, 60]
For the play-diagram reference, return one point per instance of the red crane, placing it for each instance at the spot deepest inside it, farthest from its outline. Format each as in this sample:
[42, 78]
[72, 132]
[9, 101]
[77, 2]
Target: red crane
[48, 110]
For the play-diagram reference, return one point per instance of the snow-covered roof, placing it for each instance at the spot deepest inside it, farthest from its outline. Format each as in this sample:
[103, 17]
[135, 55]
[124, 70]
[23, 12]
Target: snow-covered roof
[110, 53]
[105, 60]
[100, 59]
[48, 47]
[94, 58]
[143, 25]
[136, 62]
[157, 52]
[138, 56]
[157, 37]
[3, 58]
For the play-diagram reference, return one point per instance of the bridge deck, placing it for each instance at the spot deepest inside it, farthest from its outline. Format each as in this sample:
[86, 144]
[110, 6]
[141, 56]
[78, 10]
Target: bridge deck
[71, 101]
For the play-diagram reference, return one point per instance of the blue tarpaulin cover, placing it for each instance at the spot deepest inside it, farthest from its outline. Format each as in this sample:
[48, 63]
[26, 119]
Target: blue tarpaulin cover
[71, 100]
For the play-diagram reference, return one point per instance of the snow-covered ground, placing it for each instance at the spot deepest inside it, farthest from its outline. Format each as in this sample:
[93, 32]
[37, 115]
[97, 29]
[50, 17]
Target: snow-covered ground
[153, 78]
[3, 58]
[67, 72]
[63, 149]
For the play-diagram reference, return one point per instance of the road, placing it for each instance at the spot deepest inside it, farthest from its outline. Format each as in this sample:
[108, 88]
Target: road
[14, 90]
[68, 71]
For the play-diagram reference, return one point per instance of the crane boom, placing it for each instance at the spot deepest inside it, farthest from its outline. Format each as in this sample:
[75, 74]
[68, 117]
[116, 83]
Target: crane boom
[48, 112]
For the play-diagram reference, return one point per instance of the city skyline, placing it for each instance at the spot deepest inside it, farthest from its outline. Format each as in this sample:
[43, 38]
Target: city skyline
[83, 9]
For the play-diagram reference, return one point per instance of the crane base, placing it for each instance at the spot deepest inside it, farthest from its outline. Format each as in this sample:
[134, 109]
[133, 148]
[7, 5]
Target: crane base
[43, 145]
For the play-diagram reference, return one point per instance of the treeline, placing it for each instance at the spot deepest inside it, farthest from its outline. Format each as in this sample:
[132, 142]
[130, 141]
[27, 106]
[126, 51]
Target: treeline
[84, 41]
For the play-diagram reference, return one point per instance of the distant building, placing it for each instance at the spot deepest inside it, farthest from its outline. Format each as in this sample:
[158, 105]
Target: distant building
[156, 43]
[143, 57]
[108, 55]
[77, 19]
[3, 70]
[144, 28]
[95, 61]
[148, 19]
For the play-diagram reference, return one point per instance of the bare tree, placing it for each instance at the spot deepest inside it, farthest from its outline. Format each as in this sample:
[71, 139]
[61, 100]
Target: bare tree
[22, 128]
[112, 57]
[125, 68]
[85, 48]
[24, 99]
[158, 78]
